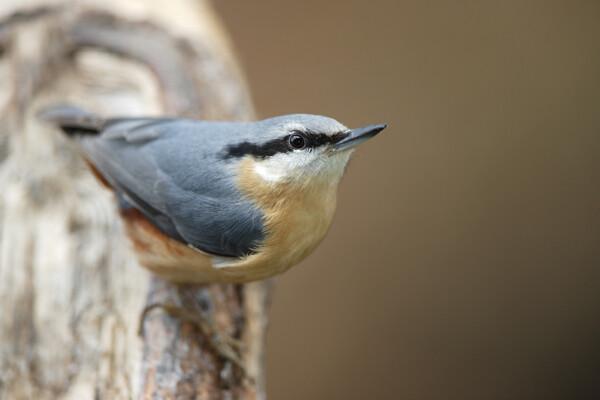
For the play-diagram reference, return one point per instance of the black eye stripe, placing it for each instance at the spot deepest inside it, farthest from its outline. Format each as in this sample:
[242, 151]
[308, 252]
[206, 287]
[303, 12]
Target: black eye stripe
[267, 149]
[272, 147]
[314, 140]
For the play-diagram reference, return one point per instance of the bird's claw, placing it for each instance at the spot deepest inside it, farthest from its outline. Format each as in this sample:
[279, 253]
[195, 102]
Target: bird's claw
[224, 345]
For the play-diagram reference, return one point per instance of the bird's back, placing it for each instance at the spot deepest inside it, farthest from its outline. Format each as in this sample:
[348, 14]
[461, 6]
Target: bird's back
[171, 171]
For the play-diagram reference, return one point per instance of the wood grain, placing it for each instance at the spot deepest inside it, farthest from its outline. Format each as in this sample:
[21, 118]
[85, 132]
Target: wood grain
[70, 288]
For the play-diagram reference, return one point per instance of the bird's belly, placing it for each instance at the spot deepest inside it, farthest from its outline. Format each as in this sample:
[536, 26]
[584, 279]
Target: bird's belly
[295, 225]
[175, 262]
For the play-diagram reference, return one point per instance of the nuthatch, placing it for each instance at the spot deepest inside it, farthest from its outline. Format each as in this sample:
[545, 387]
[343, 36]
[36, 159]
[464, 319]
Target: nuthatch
[218, 201]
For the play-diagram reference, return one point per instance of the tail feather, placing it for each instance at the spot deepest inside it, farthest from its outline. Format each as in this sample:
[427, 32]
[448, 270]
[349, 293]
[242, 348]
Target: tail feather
[72, 120]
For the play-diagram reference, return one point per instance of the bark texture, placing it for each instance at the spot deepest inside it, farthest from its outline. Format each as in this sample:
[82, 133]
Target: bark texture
[70, 288]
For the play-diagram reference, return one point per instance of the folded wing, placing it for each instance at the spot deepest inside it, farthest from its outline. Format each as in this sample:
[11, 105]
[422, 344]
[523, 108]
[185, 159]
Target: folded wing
[168, 170]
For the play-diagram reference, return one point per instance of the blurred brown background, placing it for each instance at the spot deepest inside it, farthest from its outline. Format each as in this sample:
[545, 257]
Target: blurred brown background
[464, 259]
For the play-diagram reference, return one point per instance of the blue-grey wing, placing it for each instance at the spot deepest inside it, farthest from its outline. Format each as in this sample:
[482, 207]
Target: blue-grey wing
[170, 170]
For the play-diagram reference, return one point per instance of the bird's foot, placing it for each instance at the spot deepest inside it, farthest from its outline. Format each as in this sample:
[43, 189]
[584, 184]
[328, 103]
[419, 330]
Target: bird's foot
[224, 345]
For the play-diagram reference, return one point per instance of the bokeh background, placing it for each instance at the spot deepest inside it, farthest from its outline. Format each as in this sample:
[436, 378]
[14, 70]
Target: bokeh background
[464, 259]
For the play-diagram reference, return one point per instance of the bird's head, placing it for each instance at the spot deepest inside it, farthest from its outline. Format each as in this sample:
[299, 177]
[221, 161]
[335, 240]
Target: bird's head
[301, 147]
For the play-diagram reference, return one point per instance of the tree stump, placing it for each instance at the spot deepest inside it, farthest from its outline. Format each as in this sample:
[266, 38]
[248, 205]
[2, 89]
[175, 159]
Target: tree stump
[71, 290]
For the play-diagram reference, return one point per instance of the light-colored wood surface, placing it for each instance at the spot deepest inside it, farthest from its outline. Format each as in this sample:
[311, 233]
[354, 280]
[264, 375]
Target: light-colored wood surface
[70, 288]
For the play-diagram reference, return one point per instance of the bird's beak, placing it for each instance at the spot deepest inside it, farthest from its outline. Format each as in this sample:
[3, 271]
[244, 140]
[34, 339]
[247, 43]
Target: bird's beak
[354, 137]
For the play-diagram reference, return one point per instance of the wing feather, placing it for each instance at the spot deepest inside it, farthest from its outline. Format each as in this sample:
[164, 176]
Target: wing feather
[168, 170]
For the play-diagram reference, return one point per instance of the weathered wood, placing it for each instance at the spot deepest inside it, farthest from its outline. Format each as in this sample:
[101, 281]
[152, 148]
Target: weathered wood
[70, 288]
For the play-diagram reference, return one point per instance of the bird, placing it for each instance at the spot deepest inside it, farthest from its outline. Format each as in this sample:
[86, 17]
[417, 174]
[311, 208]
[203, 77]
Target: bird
[215, 201]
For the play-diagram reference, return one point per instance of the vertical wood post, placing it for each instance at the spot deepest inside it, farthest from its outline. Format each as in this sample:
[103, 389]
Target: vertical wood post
[71, 291]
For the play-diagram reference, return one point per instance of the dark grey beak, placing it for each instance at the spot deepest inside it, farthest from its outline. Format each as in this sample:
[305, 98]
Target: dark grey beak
[354, 137]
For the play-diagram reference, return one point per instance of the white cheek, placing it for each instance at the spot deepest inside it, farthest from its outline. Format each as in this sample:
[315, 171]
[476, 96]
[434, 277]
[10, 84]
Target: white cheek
[299, 165]
[285, 166]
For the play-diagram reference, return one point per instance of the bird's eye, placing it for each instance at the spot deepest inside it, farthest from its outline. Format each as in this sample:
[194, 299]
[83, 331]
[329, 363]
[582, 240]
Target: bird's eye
[297, 141]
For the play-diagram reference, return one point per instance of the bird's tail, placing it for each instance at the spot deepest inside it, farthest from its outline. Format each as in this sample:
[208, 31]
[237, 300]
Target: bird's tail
[72, 120]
